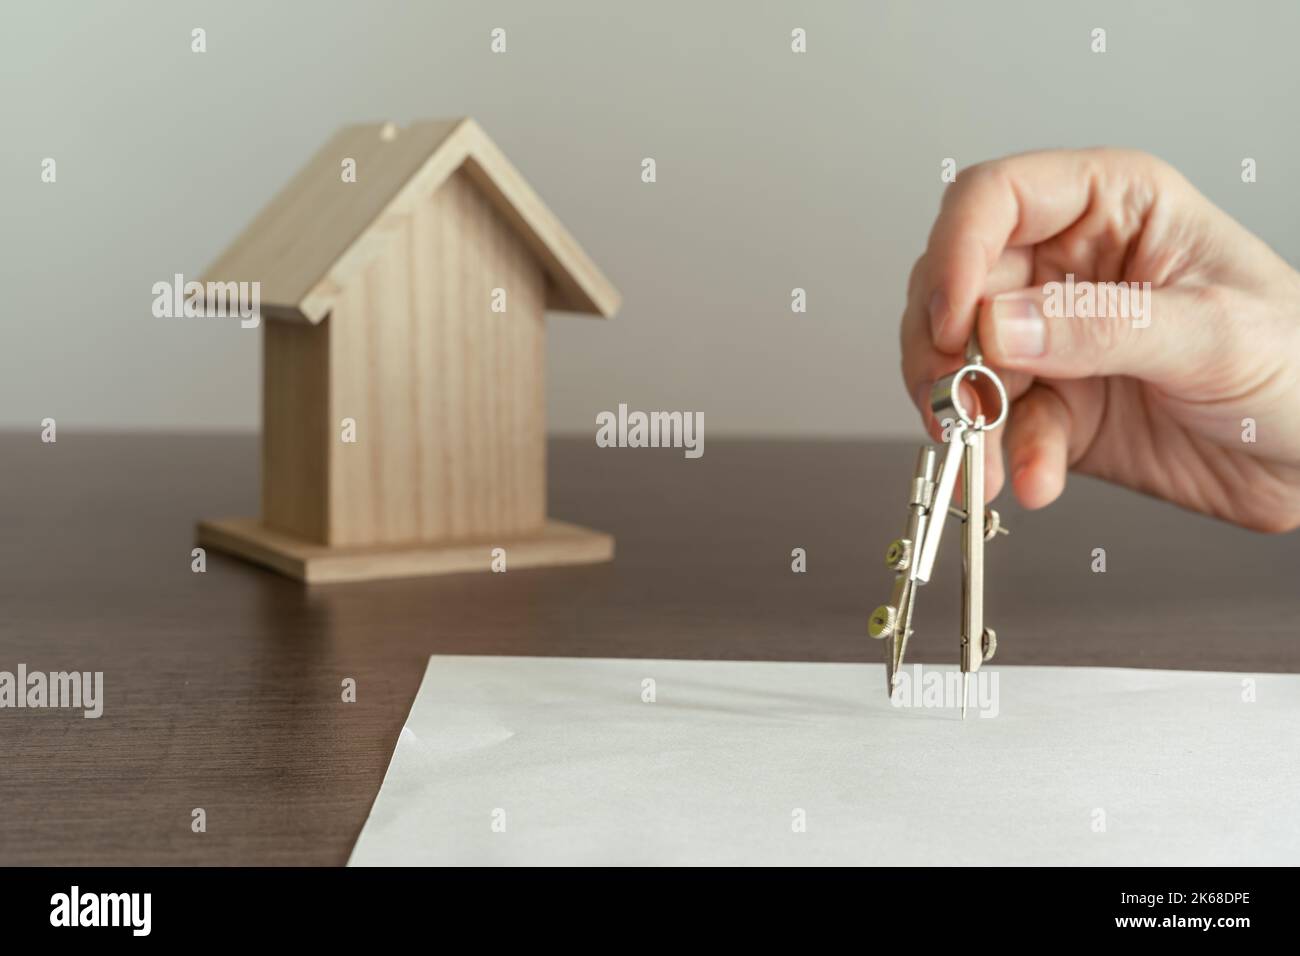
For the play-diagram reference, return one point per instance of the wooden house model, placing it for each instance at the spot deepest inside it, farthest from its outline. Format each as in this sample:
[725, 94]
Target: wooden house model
[403, 406]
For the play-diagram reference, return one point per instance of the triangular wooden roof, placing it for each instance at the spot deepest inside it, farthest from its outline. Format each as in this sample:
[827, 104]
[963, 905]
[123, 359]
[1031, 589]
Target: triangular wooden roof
[318, 230]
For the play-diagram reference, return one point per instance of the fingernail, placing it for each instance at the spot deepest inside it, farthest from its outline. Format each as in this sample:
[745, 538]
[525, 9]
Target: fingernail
[1018, 327]
[939, 313]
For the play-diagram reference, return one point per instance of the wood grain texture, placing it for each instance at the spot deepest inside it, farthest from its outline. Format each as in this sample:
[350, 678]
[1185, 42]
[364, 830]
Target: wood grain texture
[296, 429]
[557, 544]
[319, 232]
[577, 285]
[448, 396]
[314, 219]
[223, 689]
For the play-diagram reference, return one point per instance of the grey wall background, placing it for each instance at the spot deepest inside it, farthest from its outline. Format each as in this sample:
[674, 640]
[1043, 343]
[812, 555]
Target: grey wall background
[775, 170]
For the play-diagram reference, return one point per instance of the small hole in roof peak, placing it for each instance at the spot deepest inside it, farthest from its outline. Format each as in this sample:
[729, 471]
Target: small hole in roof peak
[388, 132]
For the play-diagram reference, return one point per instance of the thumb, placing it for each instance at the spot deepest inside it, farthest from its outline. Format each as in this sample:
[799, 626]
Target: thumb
[1078, 330]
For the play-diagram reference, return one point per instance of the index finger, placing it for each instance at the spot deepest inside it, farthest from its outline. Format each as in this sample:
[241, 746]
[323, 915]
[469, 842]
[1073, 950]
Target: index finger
[1017, 201]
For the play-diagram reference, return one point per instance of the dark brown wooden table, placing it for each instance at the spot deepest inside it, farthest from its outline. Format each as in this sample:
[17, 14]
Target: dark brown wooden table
[223, 689]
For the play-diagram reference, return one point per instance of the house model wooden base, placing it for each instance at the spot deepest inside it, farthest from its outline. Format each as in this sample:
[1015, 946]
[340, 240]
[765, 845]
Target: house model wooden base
[403, 408]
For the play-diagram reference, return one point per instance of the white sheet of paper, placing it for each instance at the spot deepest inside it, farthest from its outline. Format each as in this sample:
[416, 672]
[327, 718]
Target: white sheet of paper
[529, 760]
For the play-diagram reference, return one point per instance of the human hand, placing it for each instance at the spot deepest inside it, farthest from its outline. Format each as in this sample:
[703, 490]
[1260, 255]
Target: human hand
[1155, 403]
